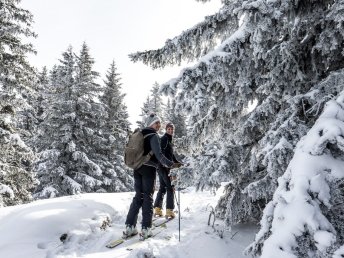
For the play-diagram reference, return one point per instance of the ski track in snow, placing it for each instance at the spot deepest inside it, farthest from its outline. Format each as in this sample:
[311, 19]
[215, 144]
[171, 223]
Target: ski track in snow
[34, 230]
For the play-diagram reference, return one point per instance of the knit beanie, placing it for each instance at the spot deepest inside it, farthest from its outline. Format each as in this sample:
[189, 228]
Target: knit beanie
[151, 119]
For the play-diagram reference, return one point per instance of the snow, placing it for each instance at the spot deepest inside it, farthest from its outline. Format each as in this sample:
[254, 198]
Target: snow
[6, 189]
[34, 229]
[339, 253]
[49, 191]
[323, 239]
[305, 187]
[15, 138]
[239, 34]
[71, 146]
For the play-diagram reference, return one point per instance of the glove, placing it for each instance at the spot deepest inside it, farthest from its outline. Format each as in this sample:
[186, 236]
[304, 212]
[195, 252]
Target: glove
[176, 165]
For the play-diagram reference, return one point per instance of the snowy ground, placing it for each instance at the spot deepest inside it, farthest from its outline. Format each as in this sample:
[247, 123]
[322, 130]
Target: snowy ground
[34, 230]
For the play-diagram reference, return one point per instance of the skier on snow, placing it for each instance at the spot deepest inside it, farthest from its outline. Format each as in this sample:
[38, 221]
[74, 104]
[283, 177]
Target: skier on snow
[164, 178]
[144, 180]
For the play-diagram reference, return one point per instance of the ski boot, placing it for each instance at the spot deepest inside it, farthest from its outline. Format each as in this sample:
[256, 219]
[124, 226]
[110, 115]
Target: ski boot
[158, 212]
[129, 232]
[170, 214]
[146, 233]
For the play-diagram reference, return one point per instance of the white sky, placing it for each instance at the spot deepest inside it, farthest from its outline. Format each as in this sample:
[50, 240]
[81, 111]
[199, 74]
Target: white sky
[113, 29]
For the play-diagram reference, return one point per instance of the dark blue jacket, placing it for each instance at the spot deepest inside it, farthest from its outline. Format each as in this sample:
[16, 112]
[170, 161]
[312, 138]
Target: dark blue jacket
[167, 147]
[152, 143]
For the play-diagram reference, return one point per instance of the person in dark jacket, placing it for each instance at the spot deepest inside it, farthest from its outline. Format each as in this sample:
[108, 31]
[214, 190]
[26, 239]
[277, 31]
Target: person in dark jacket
[144, 180]
[166, 142]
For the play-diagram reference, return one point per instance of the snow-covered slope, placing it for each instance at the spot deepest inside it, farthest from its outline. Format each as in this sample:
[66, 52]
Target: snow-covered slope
[92, 220]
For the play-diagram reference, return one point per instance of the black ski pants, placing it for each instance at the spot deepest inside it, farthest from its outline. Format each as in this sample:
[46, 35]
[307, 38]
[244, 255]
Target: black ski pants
[165, 187]
[144, 181]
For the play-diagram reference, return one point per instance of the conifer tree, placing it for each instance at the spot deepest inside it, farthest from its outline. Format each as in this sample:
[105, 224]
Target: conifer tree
[168, 110]
[71, 131]
[145, 111]
[304, 218]
[16, 158]
[90, 118]
[156, 103]
[30, 117]
[115, 130]
[57, 130]
[43, 83]
[153, 104]
[273, 53]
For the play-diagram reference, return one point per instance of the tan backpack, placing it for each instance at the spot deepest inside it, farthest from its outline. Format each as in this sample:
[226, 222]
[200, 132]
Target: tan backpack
[133, 152]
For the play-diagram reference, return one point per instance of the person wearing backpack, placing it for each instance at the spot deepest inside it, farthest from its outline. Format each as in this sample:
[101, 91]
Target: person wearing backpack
[144, 177]
[166, 142]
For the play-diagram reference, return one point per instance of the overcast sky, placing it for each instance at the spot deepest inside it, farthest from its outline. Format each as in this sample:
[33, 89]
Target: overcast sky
[113, 29]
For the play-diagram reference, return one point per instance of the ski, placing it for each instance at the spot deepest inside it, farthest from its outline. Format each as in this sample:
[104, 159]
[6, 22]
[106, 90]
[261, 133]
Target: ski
[158, 227]
[162, 223]
[156, 224]
[133, 245]
[115, 243]
[157, 217]
[119, 241]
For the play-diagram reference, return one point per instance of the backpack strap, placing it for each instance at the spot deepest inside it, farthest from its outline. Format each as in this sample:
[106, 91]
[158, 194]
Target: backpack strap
[144, 137]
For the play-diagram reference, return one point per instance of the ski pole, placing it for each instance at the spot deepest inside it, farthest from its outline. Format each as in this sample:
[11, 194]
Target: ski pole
[179, 209]
[178, 205]
[175, 197]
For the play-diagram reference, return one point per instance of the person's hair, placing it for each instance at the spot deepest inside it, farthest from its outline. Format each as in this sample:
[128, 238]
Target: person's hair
[169, 124]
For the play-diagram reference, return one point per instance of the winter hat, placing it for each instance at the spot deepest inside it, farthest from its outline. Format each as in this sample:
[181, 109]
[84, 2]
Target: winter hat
[169, 124]
[151, 119]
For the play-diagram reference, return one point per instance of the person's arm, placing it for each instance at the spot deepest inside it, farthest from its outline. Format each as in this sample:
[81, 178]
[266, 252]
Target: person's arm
[155, 145]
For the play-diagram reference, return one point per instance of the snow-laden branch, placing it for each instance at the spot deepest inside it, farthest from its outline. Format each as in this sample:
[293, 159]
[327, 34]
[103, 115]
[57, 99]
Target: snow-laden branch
[210, 68]
[298, 222]
[192, 43]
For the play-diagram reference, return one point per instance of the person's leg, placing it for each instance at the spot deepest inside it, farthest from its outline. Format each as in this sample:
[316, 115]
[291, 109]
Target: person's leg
[148, 182]
[169, 189]
[162, 190]
[136, 204]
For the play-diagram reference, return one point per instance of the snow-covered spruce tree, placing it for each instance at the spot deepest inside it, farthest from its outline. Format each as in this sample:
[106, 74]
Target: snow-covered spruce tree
[153, 104]
[43, 84]
[115, 130]
[16, 158]
[168, 110]
[90, 119]
[305, 217]
[29, 118]
[56, 130]
[272, 53]
[156, 103]
[71, 130]
[47, 88]
[145, 110]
